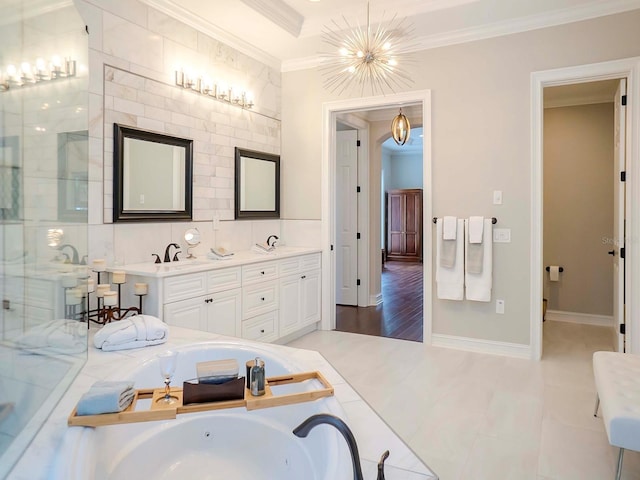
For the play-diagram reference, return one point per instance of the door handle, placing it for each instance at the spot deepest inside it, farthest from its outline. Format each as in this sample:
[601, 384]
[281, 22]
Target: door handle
[612, 252]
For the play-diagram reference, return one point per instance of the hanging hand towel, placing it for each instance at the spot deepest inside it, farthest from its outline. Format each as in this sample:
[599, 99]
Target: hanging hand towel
[447, 241]
[474, 249]
[450, 280]
[449, 227]
[478, 285]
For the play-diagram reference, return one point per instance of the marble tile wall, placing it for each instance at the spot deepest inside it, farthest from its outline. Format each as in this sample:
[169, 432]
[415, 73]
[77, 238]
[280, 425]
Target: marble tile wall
[134, 51]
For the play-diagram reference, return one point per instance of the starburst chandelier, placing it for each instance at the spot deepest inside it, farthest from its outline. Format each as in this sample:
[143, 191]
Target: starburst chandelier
[367, 56]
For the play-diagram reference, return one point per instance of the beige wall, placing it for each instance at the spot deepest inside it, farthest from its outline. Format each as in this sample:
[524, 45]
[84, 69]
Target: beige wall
[481, 142]
[578, 207]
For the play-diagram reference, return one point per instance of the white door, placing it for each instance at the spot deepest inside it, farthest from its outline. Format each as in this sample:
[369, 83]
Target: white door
[346, 217]
[619, 213]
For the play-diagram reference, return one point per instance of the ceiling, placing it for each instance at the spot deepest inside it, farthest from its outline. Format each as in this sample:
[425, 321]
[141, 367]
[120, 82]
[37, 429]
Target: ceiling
[286, 34]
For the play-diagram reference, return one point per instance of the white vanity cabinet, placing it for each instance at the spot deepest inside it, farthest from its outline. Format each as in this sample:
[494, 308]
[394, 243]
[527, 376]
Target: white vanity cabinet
[270, 298]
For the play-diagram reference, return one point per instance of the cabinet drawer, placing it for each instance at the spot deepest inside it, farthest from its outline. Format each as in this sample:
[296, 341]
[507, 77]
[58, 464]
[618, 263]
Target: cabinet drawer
[289, 266]
[184, 286]
[259, 298]
[225, 279]
[310, 262]
[259, 272]
[263, 328]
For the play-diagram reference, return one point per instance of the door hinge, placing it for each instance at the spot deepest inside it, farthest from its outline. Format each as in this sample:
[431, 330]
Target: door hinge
[332, 248]
[622, 329]
[358, 282]
[624, 100]
[358, 235]
[357, 143]
[622, 252]
[6, 305]
[358, 189]
[623, 176]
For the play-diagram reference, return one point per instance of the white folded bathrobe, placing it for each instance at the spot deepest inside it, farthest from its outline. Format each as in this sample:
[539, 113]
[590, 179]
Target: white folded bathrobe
[133, 332]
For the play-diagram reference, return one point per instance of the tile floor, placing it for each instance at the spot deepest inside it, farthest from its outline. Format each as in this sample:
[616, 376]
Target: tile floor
[477, 416]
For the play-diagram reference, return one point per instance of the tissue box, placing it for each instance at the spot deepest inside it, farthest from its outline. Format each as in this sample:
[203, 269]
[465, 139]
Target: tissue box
[217, 371]
[194, 391]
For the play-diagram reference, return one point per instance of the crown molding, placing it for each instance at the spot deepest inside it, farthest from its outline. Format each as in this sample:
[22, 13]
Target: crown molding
[174, 11]
[279, 13]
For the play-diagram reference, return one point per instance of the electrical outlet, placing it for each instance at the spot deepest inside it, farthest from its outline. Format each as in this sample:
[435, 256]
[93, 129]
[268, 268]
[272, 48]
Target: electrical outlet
[502, 235]
[499, 306]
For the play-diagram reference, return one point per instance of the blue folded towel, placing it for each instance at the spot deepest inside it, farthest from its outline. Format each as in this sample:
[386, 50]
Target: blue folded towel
[106, 397]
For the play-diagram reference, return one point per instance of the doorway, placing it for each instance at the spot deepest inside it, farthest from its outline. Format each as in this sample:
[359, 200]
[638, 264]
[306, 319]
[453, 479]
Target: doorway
[369, 230]
[583, 211]
[628, 69]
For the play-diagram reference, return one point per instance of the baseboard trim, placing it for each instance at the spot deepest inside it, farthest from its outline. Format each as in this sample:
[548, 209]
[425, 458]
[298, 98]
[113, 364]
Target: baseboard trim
[516, 350]
[375, 300]
[575, 317]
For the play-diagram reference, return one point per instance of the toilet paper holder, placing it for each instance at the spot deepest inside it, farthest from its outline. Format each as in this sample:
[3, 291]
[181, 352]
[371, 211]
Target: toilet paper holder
[559, 269]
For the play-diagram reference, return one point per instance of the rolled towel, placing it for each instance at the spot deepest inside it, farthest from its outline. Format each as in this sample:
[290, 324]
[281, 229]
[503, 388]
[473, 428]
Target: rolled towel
[106, 397]
[133, 332]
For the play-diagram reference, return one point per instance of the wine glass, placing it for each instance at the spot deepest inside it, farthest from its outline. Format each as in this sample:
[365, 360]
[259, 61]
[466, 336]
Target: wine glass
[168, 361]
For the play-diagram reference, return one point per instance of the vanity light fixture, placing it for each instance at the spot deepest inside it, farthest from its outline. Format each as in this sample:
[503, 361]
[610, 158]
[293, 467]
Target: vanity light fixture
[219, 91]
[400, 128]
[31, 74]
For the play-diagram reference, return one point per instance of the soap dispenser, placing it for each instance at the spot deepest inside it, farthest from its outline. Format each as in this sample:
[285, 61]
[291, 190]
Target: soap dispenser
[256, 377]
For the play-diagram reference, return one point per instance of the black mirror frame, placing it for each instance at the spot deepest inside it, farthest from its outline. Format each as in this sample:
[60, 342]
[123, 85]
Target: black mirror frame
[120, 132]
[256, 214]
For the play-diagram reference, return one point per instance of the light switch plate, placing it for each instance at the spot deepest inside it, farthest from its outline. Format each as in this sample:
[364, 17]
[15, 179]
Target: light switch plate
[499, 306]
[497, 197]
[502, 235]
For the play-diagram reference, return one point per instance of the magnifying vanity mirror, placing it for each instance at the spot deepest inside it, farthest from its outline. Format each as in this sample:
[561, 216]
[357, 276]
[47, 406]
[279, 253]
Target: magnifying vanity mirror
[257, 184]
[192, 237]
[152, 176]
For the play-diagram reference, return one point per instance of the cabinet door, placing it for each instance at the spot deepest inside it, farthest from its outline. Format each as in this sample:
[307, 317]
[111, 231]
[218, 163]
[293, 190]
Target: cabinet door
[311, 293]
[289, 304]
[191, 313]
[224, 312]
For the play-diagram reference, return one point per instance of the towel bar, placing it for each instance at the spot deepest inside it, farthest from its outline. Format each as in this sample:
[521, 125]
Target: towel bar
[494, 220]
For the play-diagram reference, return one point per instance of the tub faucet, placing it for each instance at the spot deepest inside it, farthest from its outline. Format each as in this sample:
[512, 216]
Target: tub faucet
[167, 258]
[269, 244]
[75, 257]
[305, 427]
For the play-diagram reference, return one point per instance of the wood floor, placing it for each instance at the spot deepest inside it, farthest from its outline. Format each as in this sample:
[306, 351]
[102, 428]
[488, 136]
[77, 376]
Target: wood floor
[399, 315]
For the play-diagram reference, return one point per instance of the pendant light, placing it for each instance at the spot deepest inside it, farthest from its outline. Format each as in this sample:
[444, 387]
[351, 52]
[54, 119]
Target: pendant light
[400, 128]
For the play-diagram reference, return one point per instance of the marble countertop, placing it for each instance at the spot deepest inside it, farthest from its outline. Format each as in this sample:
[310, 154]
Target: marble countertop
[203, 263]
[371, 432]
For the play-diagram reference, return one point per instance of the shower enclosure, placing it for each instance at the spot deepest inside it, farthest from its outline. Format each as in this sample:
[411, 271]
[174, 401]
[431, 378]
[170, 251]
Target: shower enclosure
[43, 213]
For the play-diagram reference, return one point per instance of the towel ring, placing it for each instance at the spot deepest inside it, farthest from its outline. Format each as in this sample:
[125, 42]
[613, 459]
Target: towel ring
[494, 220]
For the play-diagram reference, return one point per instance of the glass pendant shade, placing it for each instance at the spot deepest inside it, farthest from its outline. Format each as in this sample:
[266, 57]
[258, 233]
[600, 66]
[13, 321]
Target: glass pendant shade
[400, 128]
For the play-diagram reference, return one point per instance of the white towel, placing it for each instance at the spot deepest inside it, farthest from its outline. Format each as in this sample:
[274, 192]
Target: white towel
[478, 285]
[449, 227]
[133, 332]
[55, 337]
[475, 229]
[450, 280]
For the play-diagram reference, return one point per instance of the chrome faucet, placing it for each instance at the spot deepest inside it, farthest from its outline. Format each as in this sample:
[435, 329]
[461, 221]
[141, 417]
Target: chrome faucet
[167, 258]
[75, 257]
[269, 244]
[305, 427]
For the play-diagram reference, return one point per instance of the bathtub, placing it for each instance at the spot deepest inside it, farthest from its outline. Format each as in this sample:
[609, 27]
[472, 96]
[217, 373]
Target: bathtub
[230, 444]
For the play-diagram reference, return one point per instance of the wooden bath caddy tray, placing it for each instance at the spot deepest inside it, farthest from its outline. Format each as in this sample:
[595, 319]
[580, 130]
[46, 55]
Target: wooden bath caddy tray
[158, 411]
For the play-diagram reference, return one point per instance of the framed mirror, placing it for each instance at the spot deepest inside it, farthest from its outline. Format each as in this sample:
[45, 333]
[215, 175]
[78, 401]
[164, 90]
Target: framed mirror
[152, 177]
[257, 185]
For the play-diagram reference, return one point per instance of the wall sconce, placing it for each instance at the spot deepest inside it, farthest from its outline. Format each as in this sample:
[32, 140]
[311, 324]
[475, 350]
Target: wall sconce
[219, 91]
[31, 74]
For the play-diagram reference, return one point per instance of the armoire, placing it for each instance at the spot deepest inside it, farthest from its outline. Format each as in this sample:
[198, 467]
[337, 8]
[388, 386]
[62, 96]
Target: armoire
[404, 225]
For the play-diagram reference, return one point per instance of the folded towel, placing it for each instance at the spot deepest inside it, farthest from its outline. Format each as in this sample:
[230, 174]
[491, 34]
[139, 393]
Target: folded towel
[475, 228]
[450, 280]
[133, 332]
[263, 248]
[106, 397]
[478, 285]
[449, 227]
[215, 256]
[221, 252]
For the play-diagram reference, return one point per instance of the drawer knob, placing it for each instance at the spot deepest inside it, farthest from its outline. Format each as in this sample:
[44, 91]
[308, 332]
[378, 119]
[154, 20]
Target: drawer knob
[262, 298]
[262, 273]
[262, 330]
[303, 277]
